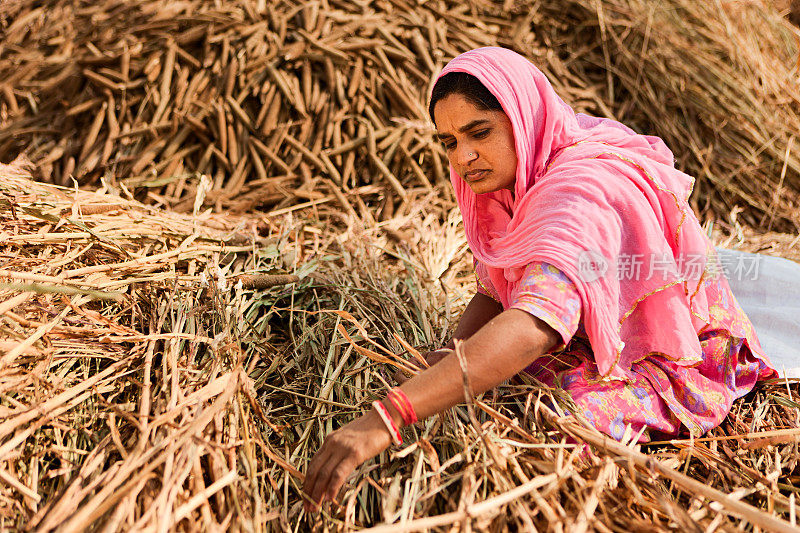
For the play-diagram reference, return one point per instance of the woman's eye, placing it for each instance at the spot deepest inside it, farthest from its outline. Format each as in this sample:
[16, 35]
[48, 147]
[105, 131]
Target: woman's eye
[480, 134]
[449, 146]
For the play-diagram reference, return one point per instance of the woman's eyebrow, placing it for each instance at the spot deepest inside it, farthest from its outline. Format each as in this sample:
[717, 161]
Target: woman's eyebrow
[472, 124]
[462, 129]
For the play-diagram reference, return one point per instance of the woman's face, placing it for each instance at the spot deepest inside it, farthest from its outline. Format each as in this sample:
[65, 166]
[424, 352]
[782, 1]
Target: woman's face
[479, 143]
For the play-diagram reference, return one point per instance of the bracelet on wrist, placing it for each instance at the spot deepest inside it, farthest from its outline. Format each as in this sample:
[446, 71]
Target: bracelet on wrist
[387, 420]
[400, 401]
[399, 407]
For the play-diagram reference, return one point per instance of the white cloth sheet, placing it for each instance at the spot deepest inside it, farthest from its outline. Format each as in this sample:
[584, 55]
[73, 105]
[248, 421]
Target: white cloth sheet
[768, 289]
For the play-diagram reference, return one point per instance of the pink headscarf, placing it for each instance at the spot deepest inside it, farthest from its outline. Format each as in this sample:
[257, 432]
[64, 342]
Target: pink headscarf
[589, 188]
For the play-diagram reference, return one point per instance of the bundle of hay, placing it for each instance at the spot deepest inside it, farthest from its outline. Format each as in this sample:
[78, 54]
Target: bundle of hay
[125, 395]
[280, 102]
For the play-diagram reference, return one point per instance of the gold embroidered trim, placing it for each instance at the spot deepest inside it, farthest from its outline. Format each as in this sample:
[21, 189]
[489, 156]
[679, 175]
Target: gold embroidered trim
[487, 291]
[552, 159]
[669, 358]
[696, 290]
[641, 298]
[558, 322]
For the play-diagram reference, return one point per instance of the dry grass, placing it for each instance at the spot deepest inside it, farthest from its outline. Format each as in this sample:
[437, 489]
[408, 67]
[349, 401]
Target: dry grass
[284, 102]
[125, 396]
[169, 371]
[717, 80]
[731, 233]
[135, 397]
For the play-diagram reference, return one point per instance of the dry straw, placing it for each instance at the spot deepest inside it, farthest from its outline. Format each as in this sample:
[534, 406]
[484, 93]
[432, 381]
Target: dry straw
[125, 397]
[285, 102]
[145, 386]
[169, 371]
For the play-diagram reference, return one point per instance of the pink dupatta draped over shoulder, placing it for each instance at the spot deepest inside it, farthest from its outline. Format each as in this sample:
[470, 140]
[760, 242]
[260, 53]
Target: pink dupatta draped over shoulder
[590, 196]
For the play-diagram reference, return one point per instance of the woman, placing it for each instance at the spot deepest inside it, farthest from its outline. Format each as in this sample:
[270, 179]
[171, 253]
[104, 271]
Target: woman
[592, 272]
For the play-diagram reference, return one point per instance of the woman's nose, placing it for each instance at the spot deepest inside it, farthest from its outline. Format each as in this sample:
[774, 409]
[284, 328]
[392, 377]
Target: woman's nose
[465, 154]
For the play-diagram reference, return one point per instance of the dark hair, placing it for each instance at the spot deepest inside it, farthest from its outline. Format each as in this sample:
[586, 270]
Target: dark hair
[467, 86]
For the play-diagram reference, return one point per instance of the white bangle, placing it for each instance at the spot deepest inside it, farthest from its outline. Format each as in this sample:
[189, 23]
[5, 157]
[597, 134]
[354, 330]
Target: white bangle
[387, 420]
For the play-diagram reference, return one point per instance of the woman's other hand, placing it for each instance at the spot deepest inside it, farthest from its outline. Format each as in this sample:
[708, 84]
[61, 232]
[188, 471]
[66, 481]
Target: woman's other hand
[340, 454]
[431, 358]
[437, 355]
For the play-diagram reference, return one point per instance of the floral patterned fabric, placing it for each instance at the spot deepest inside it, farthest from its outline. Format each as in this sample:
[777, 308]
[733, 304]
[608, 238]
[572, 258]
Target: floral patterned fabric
[657, 395]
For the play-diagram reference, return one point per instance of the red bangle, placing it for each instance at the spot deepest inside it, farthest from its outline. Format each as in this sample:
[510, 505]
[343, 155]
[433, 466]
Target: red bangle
[409, 415]
[397, 404]
[403, 405]
[387, 420]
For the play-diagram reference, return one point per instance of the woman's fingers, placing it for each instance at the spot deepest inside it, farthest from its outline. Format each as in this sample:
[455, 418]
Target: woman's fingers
[330, 473]
[315, 473]
[322, 481]
[341, 452]
[338, 476]
[436, 356]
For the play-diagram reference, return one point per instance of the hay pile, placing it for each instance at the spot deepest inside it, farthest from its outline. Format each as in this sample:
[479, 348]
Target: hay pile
[145, 383]
[283, 102]
[175, 369]
[125, 397]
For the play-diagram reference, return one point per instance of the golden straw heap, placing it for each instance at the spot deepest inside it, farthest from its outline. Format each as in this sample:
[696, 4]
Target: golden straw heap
[236, 226]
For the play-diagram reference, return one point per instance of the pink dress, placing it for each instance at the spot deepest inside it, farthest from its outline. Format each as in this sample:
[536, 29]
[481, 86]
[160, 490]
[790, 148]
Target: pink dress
[657, 394]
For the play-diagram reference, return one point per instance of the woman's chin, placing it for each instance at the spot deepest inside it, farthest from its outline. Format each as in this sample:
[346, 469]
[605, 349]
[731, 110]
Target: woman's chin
[479, 187]
[492, 181]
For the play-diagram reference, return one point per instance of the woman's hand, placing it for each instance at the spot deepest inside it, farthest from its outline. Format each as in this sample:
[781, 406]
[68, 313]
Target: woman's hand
[340, 454]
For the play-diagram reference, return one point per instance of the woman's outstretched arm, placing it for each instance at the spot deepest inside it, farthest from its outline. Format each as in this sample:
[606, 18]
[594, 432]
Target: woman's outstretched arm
[496, 352]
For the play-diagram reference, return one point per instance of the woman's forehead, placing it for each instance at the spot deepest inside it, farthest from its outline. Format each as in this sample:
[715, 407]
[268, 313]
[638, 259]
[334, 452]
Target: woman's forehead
[455, 113]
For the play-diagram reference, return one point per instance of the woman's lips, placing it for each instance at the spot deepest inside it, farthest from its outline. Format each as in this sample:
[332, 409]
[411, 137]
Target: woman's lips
[475, 175]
